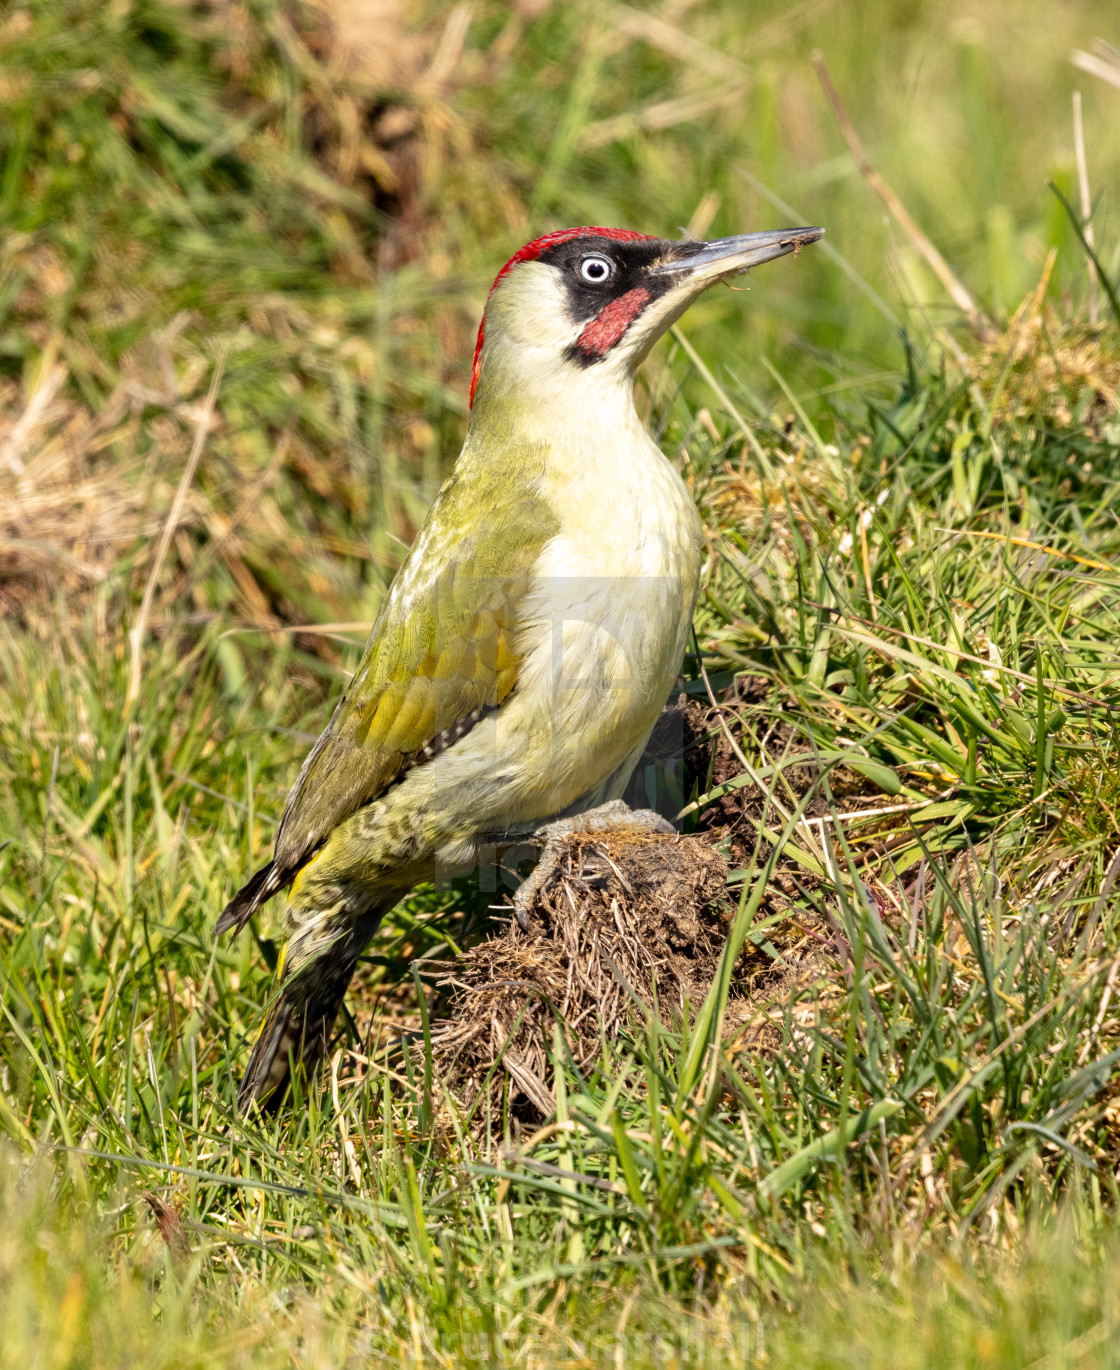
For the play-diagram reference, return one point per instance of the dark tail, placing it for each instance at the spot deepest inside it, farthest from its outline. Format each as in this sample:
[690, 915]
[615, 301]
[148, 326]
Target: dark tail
[295, 1036]
[297, 1031]
[267, 881]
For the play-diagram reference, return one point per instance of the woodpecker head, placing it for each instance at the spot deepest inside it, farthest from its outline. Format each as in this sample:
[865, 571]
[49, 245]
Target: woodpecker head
[587, 304]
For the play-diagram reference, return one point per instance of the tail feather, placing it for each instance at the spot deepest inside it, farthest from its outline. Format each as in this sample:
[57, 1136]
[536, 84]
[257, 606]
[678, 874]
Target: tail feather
[297, 1031]
[295, 1036]
[260, 887]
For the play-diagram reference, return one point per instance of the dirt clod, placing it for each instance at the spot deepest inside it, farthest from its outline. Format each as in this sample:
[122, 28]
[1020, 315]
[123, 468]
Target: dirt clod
[628, 924]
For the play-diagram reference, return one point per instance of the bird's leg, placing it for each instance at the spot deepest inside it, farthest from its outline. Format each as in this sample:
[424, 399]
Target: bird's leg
[614, 816]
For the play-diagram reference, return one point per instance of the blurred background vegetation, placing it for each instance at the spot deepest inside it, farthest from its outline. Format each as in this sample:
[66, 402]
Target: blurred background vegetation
[322, 194]
[244, 248]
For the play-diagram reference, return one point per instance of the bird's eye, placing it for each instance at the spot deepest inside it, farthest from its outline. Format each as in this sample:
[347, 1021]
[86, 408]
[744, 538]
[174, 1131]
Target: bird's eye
[595, 270]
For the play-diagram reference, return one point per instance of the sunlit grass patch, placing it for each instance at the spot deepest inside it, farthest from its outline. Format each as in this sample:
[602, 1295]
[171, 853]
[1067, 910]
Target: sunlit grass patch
[938, 1052]
[904, 1141]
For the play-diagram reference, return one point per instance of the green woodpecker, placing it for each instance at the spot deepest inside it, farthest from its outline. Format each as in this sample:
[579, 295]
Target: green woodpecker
[531, 637]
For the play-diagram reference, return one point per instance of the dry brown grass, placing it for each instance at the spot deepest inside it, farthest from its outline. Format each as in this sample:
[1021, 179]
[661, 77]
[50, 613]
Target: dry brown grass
[1049, 368]
[92, 446]
[78, 489]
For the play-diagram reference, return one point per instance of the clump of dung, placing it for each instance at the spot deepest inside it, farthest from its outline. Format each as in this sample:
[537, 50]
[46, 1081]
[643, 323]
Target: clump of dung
[628, 924]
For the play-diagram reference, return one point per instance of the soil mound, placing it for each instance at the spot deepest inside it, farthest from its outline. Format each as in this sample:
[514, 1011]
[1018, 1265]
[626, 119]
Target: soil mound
[628, 924]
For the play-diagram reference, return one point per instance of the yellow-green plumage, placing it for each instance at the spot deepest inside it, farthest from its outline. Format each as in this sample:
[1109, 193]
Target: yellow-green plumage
[442, 647]
[522, 655]
[442, 650]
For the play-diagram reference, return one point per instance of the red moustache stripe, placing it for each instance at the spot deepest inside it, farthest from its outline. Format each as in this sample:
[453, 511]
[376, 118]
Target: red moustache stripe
[612, 321]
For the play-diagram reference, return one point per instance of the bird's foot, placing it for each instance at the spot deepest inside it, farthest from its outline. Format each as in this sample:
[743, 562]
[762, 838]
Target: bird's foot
[614, 816]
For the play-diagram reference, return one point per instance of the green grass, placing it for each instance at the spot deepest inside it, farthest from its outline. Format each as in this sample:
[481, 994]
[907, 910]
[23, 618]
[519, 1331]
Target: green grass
[914, 554]
[78, 1307]
[948, 1069]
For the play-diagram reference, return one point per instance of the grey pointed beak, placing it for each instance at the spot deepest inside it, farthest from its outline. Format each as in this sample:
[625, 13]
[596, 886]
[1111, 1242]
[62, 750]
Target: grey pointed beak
[730, 256]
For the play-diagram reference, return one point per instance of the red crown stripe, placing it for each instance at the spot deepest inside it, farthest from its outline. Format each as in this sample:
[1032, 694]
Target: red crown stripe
[529, 253]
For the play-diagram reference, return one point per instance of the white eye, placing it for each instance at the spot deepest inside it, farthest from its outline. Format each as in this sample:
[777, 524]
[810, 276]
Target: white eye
[596, 269]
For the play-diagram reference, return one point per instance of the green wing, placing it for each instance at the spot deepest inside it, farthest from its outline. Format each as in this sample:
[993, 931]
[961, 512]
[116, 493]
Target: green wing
[442, 649]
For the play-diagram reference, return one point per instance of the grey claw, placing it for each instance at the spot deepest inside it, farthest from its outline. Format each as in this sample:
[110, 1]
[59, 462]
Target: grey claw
[552, 838]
